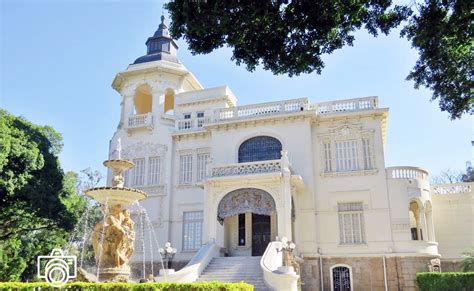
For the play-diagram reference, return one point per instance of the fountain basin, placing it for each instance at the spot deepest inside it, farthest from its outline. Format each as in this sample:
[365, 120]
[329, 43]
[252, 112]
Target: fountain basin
[119, 164]
[116, 195]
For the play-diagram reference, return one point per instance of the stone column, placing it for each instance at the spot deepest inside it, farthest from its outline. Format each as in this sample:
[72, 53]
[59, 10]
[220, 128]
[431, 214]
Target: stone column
[423, 224]
[284, 210]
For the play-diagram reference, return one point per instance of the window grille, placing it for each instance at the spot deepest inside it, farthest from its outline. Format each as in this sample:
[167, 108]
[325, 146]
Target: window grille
[327, 157]
[351, 223]
[260, 148]
[341, 278]
[154, 170]
[185, 169]
[138, 172]
[202, 161]
[347, 156]
[192, 230]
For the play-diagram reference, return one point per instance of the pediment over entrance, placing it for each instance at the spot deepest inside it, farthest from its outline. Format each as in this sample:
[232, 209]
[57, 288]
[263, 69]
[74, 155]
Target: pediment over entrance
[245, 200]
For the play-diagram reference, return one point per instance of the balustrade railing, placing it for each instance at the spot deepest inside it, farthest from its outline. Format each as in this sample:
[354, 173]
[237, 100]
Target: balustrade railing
[140, 120]
[406, 173]
[453, 188]
[191, 124]
[357, 104]
[279, 107]
[246, 168]
[255, 110]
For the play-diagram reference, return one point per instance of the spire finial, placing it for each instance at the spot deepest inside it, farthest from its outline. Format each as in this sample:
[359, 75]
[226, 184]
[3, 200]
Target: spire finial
[162, 19]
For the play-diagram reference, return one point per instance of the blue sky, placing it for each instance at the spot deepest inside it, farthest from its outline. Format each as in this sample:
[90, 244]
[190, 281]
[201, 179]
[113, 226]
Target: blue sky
[58, 59]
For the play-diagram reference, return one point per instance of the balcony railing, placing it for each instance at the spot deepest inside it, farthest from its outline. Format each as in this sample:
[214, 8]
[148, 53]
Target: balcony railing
[357, 104]
[140, 120]
[261, 109]
[454, 188]
[242, 169]
[406, 173]
[191, 124]
[279, 107]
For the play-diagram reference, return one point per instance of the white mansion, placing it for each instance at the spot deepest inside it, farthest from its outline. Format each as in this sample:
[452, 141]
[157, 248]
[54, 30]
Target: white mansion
[228, 181]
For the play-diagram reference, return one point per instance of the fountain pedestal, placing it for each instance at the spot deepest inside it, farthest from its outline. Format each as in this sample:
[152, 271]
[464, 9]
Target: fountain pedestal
[113, 238]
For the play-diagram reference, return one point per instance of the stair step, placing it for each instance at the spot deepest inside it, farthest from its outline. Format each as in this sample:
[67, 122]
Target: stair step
[235, 269]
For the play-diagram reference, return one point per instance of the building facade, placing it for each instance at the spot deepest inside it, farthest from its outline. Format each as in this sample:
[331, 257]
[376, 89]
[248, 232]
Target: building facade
[242, 176]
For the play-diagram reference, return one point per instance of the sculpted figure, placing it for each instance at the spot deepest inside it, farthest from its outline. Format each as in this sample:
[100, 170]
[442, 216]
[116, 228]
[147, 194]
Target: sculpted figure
[113, 239]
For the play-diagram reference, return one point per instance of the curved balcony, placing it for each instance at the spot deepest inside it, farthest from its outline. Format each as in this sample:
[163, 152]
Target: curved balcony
[417, 246]
[406, 173]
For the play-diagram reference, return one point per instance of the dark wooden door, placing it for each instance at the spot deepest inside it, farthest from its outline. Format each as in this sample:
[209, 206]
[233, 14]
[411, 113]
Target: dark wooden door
[260, 233]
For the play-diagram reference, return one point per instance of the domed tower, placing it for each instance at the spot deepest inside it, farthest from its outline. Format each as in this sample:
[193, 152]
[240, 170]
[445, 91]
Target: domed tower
[149, 89]
[148, 85]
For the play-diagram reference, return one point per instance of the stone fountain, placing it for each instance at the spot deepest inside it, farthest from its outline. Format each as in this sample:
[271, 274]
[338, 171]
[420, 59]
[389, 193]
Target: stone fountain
[113, 238]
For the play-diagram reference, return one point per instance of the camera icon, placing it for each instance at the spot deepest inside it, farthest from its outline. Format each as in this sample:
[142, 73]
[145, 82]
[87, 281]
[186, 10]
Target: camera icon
[57, 268]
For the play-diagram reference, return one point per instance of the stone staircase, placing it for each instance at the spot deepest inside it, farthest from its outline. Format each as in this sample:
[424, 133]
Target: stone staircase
[235, 269]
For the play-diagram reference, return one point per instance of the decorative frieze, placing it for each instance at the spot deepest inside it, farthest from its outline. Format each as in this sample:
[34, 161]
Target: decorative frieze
[247, 168]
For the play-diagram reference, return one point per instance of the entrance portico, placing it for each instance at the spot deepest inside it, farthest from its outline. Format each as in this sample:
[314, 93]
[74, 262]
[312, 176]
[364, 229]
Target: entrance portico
[261, 202]
[247, 215]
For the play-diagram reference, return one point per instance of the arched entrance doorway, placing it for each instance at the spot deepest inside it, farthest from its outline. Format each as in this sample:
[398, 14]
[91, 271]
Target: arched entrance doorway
[249, 219]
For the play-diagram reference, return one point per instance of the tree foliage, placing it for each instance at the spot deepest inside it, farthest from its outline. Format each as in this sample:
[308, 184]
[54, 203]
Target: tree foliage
[467, 263]
[451, 176]
[290, 37]
[442, 32]
[38, 203]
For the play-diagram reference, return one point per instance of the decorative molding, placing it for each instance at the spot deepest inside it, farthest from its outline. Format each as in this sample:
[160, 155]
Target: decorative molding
[144, 149]
[242, 169]
[245, 200]
[350, 173]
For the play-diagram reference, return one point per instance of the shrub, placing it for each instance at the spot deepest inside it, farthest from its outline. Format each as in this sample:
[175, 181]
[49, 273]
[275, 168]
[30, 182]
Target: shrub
[450, 281]
[162, 286]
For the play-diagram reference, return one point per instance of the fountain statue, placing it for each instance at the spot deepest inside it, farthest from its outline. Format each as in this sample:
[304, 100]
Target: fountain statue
[113, 238]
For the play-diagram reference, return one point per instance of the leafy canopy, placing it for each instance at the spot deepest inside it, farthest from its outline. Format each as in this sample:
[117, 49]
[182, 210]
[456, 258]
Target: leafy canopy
[290, 37]
[38, 203]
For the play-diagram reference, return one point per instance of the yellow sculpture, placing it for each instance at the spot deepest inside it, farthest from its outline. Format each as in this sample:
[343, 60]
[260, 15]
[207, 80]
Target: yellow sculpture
[114, 236]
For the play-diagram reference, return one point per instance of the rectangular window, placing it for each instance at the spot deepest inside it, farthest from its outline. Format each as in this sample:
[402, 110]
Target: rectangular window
[138, 172]
[192, 230]
[351, 223]
[327, 157]
[202, 161]
[185, 169]
[242, 229]
[368, 154]
[200, 119]
[347, 156]
[126, 178]
[154, 167]
[187, 115]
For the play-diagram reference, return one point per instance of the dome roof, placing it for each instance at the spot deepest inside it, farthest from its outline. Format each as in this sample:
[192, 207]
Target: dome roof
[160, 46]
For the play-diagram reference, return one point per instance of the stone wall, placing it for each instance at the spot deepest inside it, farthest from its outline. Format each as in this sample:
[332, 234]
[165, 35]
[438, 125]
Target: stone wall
[367, 272]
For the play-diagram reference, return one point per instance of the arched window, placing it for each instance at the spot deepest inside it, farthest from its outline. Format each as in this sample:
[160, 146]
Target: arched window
[341, 278]
[169, 101]
[260, 148]
[143, 99]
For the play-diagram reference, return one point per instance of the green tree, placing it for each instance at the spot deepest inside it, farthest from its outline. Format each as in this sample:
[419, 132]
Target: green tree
[290, 37]
[38, 203]
[467, 264]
